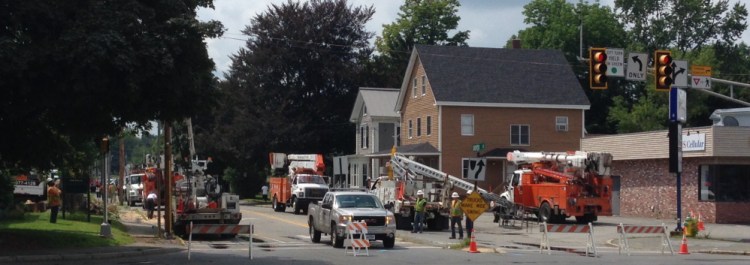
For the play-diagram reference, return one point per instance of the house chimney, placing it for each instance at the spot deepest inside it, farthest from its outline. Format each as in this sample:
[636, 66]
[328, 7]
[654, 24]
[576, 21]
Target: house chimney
[516, 44]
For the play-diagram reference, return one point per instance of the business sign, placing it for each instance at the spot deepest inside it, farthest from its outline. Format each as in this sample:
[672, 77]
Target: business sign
[694, 142]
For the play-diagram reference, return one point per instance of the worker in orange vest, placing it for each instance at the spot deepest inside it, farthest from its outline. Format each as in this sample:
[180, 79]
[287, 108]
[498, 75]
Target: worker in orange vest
[54, 200]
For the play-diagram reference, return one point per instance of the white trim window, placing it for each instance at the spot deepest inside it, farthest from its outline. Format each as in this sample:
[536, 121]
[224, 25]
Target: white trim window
[419, 127]
[411, 129]
[467, 124]
[364, 136]
[424, 86]
[520, 134]
[428, 126]
[414, 88]
[561, 123]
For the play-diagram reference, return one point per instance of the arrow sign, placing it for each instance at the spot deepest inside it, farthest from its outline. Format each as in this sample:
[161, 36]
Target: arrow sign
[474, 168]
[680, 74]
[635, 69]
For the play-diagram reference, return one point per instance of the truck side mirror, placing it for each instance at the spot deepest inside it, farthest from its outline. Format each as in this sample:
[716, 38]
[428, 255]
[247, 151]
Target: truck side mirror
[326, 205]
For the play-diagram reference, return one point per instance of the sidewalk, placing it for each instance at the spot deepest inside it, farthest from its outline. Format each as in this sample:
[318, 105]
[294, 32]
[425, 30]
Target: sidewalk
[140, 228]
[715, 239]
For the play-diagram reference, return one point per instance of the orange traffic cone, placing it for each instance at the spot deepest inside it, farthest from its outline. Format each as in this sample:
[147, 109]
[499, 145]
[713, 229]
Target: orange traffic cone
[473, 244]
[683, 246]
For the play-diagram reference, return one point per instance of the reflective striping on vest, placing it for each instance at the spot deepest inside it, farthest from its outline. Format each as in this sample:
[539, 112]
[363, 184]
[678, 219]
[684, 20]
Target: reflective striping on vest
[568, 228]
[220, 229]
[356, 228]
[632, 229]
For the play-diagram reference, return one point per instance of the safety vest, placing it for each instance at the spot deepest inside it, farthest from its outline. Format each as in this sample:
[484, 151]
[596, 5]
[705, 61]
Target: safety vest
[53, 197]
[456, 209]
[420, 205]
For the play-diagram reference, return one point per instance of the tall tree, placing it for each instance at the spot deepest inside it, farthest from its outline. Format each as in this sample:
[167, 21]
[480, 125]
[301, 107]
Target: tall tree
[292, 87]
[419, 22]
[555, 24]
[76, 70]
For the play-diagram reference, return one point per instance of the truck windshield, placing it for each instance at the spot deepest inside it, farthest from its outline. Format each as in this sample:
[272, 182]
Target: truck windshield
[135, 179]
[315, 179]
[357, 201]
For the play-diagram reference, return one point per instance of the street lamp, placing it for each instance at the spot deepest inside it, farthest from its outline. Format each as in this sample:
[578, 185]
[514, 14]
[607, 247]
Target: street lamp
[106, 230]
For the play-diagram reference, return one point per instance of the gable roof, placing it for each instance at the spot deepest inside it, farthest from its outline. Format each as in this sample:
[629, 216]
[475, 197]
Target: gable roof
[379, 102]
[494, 77]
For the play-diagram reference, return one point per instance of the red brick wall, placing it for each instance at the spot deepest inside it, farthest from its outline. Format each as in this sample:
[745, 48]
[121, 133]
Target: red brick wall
[647, 189]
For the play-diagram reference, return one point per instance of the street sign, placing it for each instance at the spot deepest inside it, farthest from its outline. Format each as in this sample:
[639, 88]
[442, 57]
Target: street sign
[703, 82]
[680, 73]
[615, 62]
[636, 68]
[677, 105]
[474, 206]
[700, 70]
[478, 147]
[474, 168]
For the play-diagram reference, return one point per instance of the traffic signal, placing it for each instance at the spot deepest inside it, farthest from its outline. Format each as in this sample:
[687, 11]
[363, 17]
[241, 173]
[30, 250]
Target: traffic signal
[598, 68]
[663, 68]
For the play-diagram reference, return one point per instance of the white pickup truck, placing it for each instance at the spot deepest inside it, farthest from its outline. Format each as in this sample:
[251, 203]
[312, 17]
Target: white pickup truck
[338, 208]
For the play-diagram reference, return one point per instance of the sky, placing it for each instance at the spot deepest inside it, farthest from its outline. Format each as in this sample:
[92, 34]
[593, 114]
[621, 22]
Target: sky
[491, 22]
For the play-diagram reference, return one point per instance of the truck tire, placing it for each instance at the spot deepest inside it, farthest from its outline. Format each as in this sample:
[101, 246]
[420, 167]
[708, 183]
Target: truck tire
[278, 207]
[545, 212]
[586, 218]
[296, 206]
[336, 241]
[389, 242]
[402, 222]
[314, 234]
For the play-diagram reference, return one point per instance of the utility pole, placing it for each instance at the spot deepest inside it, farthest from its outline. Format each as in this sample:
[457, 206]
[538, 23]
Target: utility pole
[106, 230]
[168, 172]
[121, 172]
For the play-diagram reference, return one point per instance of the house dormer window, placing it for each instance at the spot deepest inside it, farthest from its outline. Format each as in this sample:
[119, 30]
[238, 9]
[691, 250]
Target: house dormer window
[414, 88]
[424, 82]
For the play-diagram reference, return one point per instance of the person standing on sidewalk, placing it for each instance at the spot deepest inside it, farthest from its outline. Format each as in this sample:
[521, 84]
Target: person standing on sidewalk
[419, 210]
[264, 189]
[456, 215]
[469, 223]
[54, 200]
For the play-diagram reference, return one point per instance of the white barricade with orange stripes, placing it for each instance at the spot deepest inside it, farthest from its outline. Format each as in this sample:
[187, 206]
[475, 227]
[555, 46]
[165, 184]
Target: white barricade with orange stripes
[624, 230]
[222, 229]
[546, 229]
[358, 243]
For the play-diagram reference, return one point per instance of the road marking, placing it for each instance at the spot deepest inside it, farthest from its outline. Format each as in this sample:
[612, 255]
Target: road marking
[279, 219]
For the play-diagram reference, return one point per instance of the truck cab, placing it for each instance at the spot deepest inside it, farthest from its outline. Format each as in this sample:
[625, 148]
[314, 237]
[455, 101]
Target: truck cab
[133, 188]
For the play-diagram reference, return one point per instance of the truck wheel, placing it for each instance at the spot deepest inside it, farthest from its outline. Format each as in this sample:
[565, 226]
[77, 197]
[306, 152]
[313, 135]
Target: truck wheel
[335, 240]
[389, 242]
[545, 212]
[314, 234]
[402, 222]
[276, 206]
[296, 206]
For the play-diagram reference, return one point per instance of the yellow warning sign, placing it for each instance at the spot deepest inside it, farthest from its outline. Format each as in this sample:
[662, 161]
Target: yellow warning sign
[474, 206]
[700, 70]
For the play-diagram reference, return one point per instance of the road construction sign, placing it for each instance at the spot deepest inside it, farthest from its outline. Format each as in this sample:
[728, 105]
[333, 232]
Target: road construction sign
[474, 206]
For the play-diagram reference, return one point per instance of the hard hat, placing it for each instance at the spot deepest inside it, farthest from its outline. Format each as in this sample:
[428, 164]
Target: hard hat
[454, 195]
[420, 192]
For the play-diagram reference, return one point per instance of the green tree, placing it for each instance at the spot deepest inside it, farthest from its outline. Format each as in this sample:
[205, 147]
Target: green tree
[555, 24]
[291, 88]
[420, 22]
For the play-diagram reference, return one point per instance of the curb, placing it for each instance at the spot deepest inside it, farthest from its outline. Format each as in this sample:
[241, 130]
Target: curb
[69, 257]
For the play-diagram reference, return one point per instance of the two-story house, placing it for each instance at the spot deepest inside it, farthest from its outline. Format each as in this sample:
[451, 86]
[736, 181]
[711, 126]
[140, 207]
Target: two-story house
[453, 98]
[377, 128]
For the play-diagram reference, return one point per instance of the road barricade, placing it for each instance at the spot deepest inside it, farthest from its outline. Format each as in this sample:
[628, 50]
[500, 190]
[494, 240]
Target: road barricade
[547, 229]
[222, 229]
[624, 230]
[358, 243]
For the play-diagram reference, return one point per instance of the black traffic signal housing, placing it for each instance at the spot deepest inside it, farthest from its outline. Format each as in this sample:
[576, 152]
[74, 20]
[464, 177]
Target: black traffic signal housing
[598, 68]
[663, 70]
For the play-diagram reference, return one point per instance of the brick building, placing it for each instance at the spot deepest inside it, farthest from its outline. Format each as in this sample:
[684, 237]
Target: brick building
[453, 98]
[715, 173]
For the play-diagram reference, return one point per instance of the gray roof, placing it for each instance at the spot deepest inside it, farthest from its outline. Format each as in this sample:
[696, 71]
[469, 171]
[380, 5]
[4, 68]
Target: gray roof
[469, 76]
[411, 149]
[380, 102]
